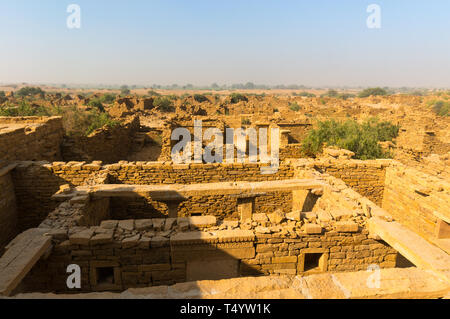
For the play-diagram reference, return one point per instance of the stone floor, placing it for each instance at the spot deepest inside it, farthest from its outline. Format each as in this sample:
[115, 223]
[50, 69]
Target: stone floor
[407, 283]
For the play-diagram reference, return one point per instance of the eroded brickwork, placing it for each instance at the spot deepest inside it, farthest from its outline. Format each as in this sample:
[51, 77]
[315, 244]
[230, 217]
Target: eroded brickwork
[8, 208]
[413, 197]
[30, 138]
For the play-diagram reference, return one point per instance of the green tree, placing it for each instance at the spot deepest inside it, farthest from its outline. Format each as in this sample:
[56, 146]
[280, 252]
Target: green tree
[153, 93]
[362, 139]
[200, 98]
[236, 97]
[29, 91]
[373, 92]
[164, 103]
[294, 106]
[441, 108]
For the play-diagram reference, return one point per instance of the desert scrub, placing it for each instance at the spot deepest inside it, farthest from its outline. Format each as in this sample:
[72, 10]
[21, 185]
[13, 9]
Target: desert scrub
[294, 106]
[237, 97]
[373, 92]
[153, 93]
[441, 108]
[164, 103]
[330, 93]
[96, 103]
[362, 139]
[200, 98]
[107, 98]
[24, 109]
[29, 91]
[304, 93]
[77, 122]
[345, 96]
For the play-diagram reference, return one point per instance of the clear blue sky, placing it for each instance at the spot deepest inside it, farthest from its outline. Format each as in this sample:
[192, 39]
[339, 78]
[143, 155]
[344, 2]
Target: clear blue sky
[320, 42]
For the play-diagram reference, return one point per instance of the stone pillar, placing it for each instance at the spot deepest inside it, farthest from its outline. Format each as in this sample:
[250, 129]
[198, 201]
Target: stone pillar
[173, 209]
[246, 207]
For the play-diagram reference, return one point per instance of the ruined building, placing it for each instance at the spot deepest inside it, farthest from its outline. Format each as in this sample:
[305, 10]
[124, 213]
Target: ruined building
[165, 228]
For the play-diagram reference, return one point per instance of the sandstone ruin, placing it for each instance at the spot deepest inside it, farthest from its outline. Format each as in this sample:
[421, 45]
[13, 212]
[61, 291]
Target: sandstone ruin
[138, 224]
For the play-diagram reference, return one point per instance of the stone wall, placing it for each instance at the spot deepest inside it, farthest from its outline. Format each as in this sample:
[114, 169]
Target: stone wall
[412, 197]
[220, 206]
[30, 138]
[36, 182]
[291, 151]
[146, 173]
[365, 177]
[141, 261]
[8, 209]
[108, 145]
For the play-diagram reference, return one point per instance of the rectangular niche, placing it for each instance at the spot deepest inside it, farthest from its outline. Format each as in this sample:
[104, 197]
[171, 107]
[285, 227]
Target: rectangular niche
[105, 276]
[313, 260]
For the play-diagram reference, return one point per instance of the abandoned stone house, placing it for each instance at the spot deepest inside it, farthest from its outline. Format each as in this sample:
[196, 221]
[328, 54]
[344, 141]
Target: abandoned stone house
[136, 224]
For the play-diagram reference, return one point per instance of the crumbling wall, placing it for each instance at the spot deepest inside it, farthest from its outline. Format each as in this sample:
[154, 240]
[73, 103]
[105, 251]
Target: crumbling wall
[8, 208]
[365, 177]
[291, 151]
[31, 138]
[142, 261]
[109, 145]
[36, 182]
[412, 197]
[221, 206]
[146, 173]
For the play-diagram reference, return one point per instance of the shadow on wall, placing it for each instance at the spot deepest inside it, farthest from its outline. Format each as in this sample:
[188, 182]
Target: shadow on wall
[147, 261]
[34, 186]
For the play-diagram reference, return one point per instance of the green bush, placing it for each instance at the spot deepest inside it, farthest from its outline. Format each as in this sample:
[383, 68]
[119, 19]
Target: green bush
[200, 98]
[165, 104]
[153, 93]
[294, 107]
[330, 93]
[373, 91]
[24, 109]
[441, 108]
[305, 94]
[107, 98]
[96, 103]
[98, 120]
[237, 97]
[76, 122]
[125, 92]
[362, 139]
[2, 94]
[29, 91]
[345, 96]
